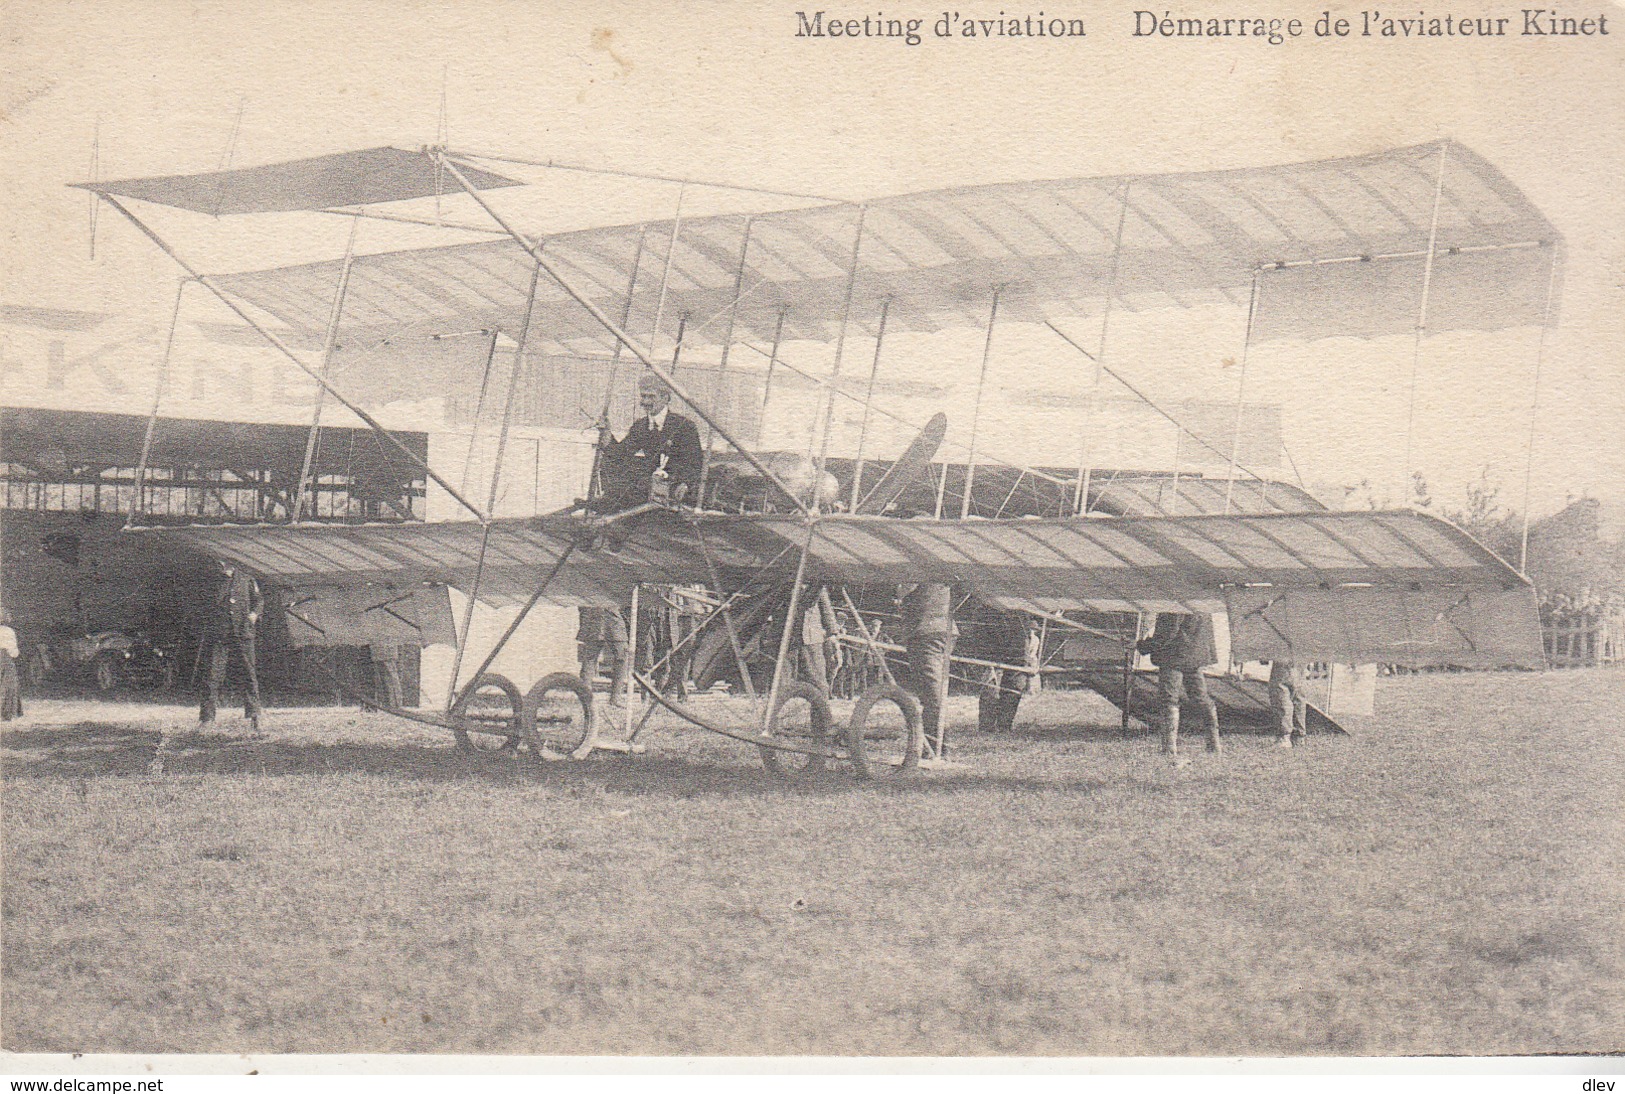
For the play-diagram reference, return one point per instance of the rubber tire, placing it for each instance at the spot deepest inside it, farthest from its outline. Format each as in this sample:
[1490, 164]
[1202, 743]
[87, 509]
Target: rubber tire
[466, 740]
[796, 765]
[560, 681]
[106, 677]
[858, 749]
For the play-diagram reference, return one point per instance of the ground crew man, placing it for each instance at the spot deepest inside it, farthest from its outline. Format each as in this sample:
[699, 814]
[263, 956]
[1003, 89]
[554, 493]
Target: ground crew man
[1006, 638]
[603, 629]
[1181, 646]
[1287, 703]
[928, 633]
[233, 620]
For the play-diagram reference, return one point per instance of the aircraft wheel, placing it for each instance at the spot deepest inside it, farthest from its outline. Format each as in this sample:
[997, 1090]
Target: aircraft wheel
[888, 747]
[489, 715]
[559, 710]
[800, 717]
[106, 677]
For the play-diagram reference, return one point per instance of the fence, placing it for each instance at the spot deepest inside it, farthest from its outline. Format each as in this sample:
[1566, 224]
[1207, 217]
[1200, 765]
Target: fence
[1581, 643]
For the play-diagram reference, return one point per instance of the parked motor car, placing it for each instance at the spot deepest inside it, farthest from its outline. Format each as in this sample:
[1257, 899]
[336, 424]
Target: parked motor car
[127, 659]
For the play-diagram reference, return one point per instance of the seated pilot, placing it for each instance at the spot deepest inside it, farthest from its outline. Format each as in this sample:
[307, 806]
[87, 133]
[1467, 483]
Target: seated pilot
[659, 459]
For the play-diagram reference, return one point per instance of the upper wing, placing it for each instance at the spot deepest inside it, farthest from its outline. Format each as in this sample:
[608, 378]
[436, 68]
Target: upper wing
[1333, 247]
[1400, 588]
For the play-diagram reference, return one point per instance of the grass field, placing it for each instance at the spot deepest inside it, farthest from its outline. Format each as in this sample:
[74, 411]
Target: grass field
[1451, 879]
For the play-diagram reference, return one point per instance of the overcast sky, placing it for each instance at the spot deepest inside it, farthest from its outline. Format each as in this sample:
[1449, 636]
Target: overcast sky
[727, 92]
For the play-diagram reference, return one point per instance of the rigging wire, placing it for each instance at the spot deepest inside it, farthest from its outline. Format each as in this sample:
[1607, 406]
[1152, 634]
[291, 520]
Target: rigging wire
[1148, 401]
[157, 401]
[976, 414]
[840, 351]
[665, 274]
[229, 154]
[1087, 472]
[313, 440]
[1534, 410]
[1241, 391]
[479, 409]
[775, 356]
[397, 218]
[722, 365]
[555, 165]
[1422, 321]
[95, 176]
[441, 138]
[868, 403]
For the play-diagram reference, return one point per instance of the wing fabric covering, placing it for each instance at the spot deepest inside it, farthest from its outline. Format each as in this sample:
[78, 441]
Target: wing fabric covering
[1338, 247]
[1399, 588]
[1128, 495]
[366, 177]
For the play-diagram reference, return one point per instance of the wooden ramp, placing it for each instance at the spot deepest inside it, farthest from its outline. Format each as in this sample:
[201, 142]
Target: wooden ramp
[1243, 704]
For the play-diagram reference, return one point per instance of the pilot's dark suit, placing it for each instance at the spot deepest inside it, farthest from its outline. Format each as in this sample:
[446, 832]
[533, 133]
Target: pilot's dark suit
[629, 465]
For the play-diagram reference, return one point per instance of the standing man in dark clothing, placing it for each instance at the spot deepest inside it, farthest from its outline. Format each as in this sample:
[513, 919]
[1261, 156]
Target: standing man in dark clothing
[659, 459]
[233, 619]
[1181, 646]
[818, 649]
[1004, 637]
[604, 629]
[388, 688]
[929, 632]
[1287, 703]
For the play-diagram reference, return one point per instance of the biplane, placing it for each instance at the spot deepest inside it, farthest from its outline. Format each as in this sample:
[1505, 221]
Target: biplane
[1413, 240]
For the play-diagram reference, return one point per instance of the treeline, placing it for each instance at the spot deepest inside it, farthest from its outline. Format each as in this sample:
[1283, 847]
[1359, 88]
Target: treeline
[1578, 571]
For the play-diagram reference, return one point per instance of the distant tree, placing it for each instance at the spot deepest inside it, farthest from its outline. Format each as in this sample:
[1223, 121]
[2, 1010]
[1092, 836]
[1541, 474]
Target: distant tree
[1420, 496]
[1361, 495]
[1483, 517]
[1569, 556]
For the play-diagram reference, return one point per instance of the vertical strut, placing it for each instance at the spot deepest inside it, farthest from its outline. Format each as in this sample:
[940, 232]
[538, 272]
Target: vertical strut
[1422, 323]
[976, 415]
[282, 347]
[620, 334]
[632, 654]
[329, 344]
[868, 401]
[479, 408]
[840, 349]
[791, 618]
[136, 498]
[722, 366]
[665, 273]
[772, 362]
[615, 360]
[491, 500]
[1534, 409]
[1241, 391]
[1091, 418]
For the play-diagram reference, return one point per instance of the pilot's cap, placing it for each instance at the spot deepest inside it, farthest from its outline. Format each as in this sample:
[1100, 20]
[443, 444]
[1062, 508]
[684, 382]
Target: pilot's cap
[651, 383]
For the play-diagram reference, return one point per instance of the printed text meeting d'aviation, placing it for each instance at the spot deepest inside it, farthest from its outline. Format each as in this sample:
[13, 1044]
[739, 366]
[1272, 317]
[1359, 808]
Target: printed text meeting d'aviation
[1372, 23]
